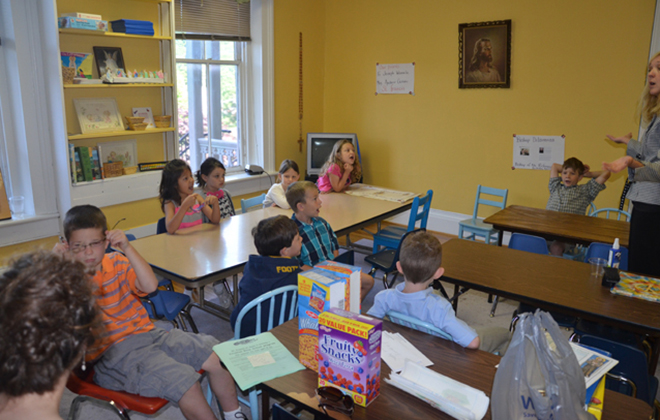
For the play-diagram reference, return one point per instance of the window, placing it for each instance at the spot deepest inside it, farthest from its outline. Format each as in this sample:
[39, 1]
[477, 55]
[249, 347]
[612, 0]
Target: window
[208, 77]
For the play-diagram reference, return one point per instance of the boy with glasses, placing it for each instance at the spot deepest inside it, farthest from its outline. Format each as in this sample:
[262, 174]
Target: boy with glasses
[132, 354]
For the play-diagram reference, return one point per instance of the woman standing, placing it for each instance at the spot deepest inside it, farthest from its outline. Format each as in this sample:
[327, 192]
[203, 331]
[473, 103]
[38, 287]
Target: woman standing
[643, 164]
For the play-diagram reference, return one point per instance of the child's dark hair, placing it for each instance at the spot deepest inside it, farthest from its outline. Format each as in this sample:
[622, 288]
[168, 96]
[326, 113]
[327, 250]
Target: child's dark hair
[168, 190]
[421, 256]
[273, 234]
[207, 167]
[575, 164]
[84, 217]
[288, 164]
[296, 193]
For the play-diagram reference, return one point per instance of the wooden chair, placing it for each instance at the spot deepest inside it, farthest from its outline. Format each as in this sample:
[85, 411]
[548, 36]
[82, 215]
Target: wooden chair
[390, 237]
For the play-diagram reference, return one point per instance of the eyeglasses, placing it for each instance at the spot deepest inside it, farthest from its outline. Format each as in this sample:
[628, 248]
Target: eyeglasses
[333, 399]
[78, 248]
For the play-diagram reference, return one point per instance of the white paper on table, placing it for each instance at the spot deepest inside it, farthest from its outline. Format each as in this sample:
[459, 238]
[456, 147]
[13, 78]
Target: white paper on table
[396, 349]
[448, 395]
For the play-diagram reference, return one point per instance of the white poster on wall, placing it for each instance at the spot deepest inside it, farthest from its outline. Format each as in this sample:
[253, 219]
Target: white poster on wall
[537, 152]
[395, 79]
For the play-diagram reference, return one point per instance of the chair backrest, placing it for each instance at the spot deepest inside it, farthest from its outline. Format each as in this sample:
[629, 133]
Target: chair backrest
[416, 324]
[397, 252]
[160, 226]
[283, 293]
[529, 243]
[601, 250]
[420, 210]
[248, 203]
[632, 366]
[503, 194]
[591, 209]
[612, 211]
[156, 299]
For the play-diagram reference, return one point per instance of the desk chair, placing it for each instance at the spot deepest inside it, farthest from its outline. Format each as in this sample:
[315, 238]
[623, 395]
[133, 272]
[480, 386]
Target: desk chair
[280, 295]
[612, 211]
[601, 250]
[249, 203]
[391, 236]
[119, 401]
[386, 260]
[631, 375]
[164, 304]
[416, 324]
[592, 209]
[475, 227]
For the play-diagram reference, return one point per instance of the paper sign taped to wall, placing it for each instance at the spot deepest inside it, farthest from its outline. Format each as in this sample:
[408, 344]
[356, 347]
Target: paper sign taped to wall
[537, 152]
[395, 78]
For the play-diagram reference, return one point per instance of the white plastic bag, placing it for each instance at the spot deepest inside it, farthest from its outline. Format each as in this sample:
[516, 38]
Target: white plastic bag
[539, 376]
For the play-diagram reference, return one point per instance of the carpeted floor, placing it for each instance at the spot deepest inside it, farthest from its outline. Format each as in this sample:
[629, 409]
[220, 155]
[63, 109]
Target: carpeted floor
[473, 308]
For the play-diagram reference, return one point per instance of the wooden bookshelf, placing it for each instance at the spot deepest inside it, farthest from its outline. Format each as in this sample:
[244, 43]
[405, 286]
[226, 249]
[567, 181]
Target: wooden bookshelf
[117, 85]
[86, 32]
[120, 133]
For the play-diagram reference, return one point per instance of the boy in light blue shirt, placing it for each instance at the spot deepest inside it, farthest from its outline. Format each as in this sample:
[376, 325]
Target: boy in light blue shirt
[420, 262]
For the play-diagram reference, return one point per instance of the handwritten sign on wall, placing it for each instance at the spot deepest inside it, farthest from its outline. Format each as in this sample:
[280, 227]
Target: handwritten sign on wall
[537, 152]
[395, 79]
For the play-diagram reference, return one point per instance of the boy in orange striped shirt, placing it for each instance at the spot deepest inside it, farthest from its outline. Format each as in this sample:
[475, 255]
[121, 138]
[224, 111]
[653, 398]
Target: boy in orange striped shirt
[133, 354]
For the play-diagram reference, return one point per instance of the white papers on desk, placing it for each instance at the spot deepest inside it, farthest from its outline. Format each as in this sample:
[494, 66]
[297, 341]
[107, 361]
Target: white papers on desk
[447, 395]
[369, 191]
[396, 349]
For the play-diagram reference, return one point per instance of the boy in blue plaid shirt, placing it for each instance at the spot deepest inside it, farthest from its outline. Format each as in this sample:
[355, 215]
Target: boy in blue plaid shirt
[567, 196]
[319, 240]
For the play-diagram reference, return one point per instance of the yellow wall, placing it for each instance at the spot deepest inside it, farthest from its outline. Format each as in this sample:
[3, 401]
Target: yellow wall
[577, 69]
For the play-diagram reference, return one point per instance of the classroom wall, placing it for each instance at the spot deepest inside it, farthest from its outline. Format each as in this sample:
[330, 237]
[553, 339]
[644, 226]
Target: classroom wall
[577, 69]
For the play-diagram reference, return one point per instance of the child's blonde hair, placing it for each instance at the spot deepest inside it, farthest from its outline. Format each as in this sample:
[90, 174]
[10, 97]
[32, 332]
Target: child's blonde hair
[356, 174]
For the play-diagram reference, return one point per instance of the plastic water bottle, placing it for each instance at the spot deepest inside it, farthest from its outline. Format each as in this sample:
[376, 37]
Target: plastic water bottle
[614, 257]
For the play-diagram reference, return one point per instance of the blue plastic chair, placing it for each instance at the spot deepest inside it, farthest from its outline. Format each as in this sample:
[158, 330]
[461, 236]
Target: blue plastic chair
[613, 211]
[390, 237]
[283, 294]
[592, 209]
[416, 324]
[160, 226]
[249, 203]
[475, 227]
[601, 250]
[386, 260]
[631, 375]
[164, 304]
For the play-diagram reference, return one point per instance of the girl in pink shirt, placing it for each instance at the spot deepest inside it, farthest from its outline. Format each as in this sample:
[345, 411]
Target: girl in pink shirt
[341, 169]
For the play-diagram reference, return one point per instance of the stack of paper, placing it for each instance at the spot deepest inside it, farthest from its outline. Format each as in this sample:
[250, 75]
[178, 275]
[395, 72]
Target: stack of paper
[396, 349]
[452, 397]
[378, 193]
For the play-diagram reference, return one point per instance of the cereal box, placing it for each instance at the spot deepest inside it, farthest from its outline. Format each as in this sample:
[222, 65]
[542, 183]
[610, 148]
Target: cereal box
[349, 354]
[318, 291]
[352, 276]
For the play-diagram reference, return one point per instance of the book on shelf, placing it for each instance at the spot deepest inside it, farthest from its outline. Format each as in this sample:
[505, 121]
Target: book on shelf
[72, 163]
[81, 15]
[85, 162]
[82, 62]
[80, 177]
[97, 172]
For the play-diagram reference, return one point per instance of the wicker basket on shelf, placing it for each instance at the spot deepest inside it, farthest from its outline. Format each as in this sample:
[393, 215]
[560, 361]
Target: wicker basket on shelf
[68, 73]
[130, 170]
[162, 121]
[112, 169]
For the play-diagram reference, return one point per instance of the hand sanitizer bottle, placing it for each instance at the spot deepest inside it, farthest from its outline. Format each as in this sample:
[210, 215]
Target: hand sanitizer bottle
[614, 258]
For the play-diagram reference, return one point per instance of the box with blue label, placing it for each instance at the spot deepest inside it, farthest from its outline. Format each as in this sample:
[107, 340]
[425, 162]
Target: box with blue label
[318, 291]
[352, 275]
[82, 23]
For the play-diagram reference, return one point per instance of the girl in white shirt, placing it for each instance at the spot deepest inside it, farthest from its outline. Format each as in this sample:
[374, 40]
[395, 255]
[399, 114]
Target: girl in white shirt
[288, 174]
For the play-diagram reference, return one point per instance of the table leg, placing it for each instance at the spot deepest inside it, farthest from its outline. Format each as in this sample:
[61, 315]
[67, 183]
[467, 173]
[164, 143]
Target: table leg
[655, 353]
[235, 282]
[265, 404]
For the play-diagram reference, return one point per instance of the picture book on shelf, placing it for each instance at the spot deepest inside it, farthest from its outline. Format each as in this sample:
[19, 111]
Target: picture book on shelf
[82, 62]
[97, 173]
[72, 162]
[80, 177]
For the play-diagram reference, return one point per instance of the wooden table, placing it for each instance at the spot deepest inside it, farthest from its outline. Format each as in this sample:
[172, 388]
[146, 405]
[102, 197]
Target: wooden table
[472, 367]
[551, 283]
[206, 253]
[554, 225]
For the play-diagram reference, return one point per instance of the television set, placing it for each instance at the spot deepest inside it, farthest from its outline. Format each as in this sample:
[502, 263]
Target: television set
[319, 147]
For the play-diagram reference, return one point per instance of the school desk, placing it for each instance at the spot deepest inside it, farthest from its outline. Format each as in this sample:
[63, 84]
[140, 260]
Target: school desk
[566, 227]
[205, 253]
[475, 368]
[551, 283]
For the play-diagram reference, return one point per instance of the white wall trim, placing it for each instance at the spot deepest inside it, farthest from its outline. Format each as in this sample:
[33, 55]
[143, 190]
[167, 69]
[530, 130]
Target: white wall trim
[441, 221]
[36, 227]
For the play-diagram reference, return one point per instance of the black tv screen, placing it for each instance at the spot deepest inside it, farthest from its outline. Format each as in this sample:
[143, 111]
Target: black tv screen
[319, 147]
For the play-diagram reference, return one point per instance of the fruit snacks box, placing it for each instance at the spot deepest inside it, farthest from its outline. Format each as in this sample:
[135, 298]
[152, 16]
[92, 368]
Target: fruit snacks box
[352, 276]
[349, 354]
[318, 291]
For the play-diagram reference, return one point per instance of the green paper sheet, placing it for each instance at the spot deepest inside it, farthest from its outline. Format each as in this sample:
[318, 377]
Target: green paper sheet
[256, 359]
